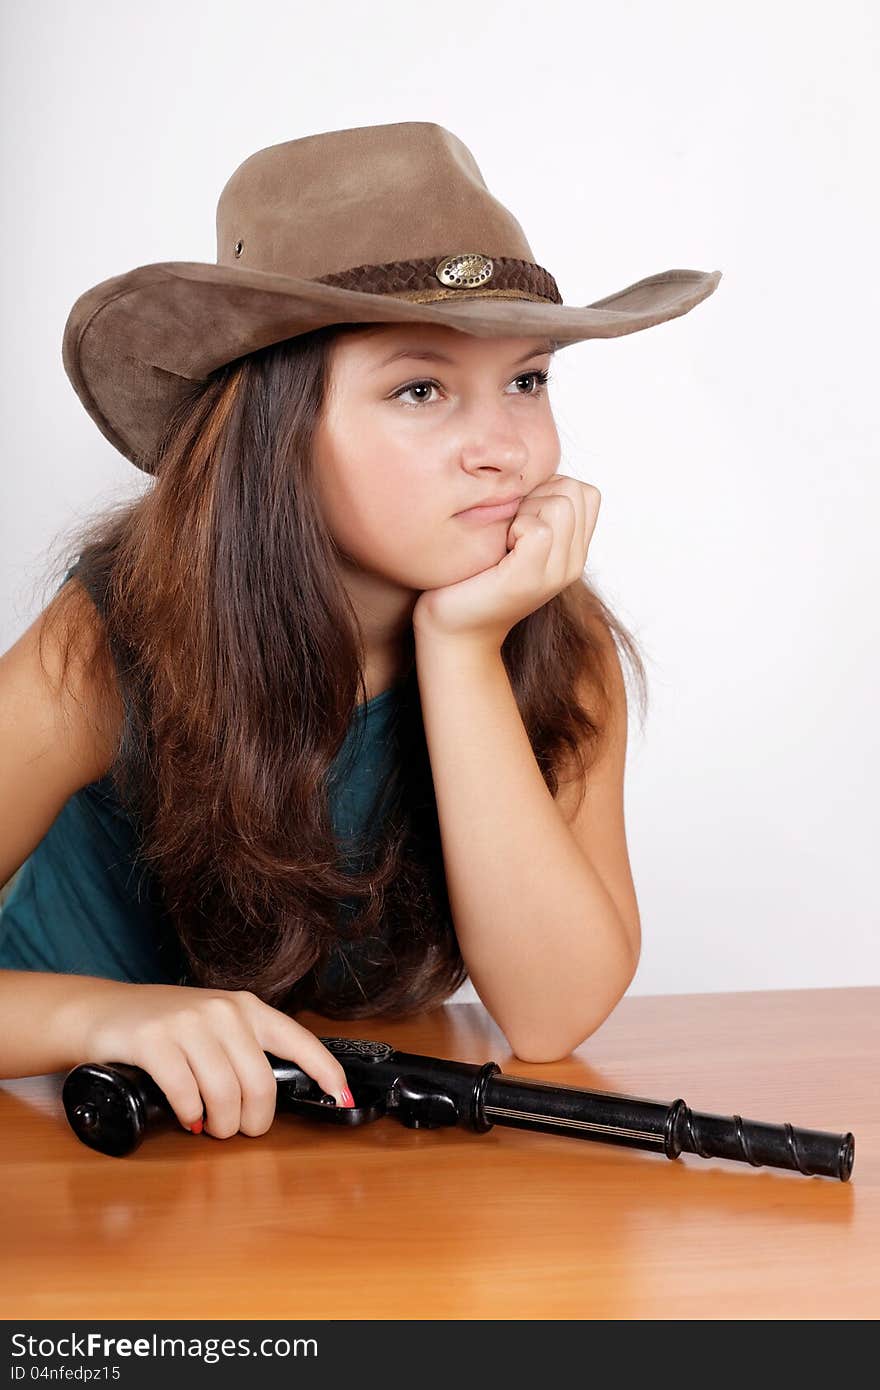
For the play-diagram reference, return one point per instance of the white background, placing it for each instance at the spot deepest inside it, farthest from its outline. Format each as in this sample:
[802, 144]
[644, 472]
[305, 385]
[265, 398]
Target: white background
[736, 448]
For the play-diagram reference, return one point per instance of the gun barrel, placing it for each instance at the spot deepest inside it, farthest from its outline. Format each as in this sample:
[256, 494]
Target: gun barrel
[663, 1127]
[558, 1109]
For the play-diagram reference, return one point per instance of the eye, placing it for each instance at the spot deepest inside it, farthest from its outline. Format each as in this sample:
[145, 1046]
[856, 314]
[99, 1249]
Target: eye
[540, 379]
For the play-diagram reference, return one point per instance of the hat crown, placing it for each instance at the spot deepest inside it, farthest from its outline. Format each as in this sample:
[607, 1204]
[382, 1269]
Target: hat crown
[369, 195]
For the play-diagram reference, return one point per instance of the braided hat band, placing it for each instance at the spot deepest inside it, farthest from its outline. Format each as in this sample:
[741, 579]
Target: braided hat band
[464, 275]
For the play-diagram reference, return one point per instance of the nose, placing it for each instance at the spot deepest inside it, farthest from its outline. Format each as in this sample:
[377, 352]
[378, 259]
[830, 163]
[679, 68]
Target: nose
[494, 441]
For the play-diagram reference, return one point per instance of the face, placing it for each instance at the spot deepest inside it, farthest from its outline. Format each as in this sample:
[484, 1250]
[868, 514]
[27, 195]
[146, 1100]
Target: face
[405, 445]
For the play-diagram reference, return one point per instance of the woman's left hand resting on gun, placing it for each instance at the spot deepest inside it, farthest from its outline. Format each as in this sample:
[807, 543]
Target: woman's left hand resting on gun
[544, 909]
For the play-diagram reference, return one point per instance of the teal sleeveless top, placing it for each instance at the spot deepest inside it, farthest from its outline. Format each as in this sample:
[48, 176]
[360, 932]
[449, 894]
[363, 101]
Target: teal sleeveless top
[84, 904]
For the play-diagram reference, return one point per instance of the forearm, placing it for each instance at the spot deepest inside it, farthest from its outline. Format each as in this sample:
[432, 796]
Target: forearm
[543, 941]
[41, 1017]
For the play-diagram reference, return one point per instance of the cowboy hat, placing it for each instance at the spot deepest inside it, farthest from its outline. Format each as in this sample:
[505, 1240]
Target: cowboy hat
[374, 224]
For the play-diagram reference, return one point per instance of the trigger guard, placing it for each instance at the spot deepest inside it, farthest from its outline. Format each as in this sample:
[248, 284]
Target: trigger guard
[369, 1105]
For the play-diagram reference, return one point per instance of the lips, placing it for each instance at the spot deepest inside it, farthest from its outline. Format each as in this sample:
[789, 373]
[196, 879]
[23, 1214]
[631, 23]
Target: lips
[495, 502]
[496, 512]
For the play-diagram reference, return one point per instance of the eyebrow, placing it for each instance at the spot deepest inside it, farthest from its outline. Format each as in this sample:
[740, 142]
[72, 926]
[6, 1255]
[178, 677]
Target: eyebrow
[428, 355]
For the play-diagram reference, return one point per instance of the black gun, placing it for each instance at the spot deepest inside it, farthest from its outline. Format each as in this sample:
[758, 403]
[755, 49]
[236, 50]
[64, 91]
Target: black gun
[111, 1106]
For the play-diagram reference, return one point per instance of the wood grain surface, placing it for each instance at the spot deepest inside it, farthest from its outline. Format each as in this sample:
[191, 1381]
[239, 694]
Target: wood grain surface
[381, 1221]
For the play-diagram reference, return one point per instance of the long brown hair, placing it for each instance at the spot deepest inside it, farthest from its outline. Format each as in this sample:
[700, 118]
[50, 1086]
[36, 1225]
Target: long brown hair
[239, 660]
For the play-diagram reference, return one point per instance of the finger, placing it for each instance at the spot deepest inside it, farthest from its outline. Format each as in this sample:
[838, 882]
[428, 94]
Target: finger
[256, 1079]
[554, 478]
[555, 504]
[559, 496]
[172, 1073]
[540, 494]
[579, 502]
[581, 495]
[584, 498]
[217, 1082]
[276, 1032]
[581, 534]
[560, 511]
[532, 529]
[570, 532]
[594, 501]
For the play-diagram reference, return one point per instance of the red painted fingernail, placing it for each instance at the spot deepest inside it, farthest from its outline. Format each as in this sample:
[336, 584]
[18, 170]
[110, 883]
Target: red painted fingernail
[347, 1097]
[197, 1127]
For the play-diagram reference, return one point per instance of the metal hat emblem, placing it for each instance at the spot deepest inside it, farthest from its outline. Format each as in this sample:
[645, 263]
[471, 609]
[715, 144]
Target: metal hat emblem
[464, 271]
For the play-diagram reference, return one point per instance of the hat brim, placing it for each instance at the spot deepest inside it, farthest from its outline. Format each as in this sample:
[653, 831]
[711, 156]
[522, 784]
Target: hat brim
[133, 344]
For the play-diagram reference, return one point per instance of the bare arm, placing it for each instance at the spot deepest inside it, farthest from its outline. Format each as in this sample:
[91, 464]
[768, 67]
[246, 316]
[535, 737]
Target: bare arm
[41, 1020]
[547, 949]
[55, 737]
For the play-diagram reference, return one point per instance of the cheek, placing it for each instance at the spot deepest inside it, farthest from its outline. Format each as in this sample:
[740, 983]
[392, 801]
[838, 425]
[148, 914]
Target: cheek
[374, 514]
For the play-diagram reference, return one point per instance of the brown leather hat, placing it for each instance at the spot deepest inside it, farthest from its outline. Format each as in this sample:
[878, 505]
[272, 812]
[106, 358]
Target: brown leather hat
[377, 224]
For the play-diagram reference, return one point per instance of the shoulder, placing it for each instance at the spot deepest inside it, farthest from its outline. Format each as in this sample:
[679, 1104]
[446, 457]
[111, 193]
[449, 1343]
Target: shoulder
[59, 724]
[65, 657]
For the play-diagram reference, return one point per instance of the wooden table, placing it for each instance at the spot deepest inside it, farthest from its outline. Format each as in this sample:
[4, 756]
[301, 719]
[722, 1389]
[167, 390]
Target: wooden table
[386, 1222]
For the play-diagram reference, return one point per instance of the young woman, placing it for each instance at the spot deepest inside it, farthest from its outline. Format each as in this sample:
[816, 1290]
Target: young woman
[327, 717]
